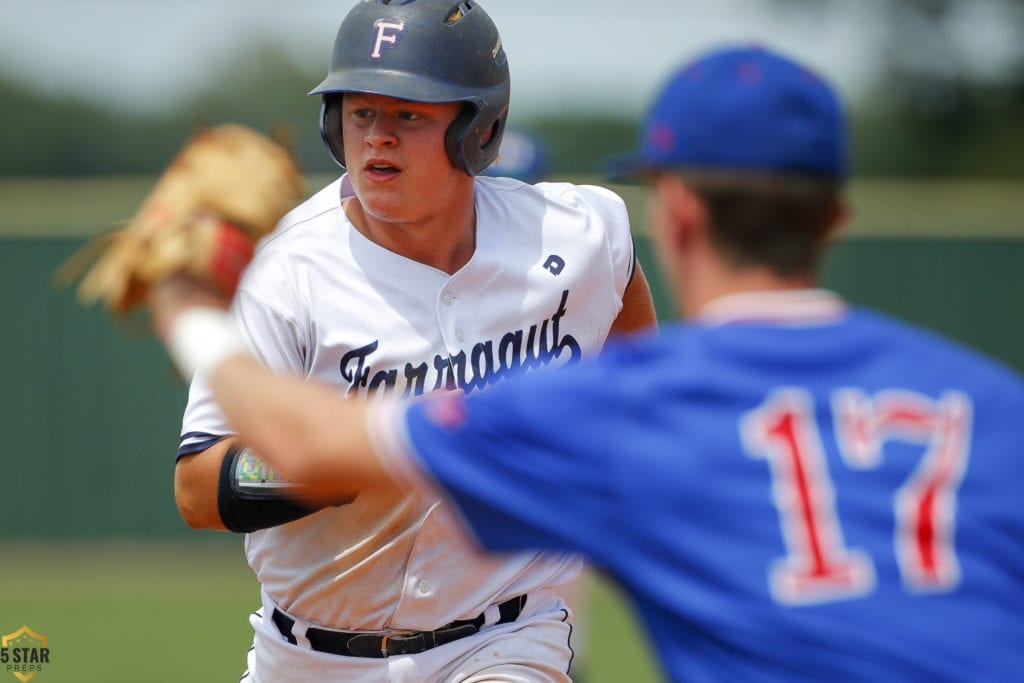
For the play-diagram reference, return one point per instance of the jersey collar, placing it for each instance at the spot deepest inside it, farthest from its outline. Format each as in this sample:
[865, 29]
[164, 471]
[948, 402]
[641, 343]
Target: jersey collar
[789, 307]
[346, 191]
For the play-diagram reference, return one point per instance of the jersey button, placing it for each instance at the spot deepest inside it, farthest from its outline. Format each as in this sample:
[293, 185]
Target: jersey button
[460, 335]
[424, 586]
[448, 299]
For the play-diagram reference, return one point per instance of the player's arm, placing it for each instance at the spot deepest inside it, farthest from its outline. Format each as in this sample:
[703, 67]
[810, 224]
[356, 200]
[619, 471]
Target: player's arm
[637, 305]
[305, 430]
[228, 487]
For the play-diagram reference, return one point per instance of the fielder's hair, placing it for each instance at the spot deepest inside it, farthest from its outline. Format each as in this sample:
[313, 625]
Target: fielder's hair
[778, 221]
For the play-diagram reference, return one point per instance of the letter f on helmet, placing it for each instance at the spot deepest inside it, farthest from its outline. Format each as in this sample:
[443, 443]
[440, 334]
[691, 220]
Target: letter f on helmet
[380, 26]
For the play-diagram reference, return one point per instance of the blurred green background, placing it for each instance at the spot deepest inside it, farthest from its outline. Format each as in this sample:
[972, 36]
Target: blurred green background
[92, 552]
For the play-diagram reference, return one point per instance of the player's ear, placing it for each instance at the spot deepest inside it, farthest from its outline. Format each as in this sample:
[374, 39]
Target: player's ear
[486, 139]
[838, 220]
[682, 215]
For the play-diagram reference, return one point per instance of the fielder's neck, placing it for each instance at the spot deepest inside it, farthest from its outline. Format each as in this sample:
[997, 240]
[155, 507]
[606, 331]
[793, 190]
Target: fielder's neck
[696, 292]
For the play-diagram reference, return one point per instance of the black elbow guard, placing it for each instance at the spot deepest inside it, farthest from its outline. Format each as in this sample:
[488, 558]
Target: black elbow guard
[252, 496]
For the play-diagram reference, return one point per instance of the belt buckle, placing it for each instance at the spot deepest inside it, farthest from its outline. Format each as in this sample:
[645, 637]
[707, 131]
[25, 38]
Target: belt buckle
[392, 634]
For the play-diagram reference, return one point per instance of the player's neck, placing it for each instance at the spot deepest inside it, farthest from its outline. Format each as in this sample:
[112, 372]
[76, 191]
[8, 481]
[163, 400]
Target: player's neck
[445, 242]
[714, 283]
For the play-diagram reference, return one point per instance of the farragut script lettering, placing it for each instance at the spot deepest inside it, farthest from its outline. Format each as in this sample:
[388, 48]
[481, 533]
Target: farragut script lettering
[486, 363]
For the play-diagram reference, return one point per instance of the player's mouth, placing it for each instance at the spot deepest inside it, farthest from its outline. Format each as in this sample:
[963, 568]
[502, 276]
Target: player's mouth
[379, 169]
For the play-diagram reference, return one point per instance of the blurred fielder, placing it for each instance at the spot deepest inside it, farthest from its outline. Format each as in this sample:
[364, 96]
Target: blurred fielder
[813, 491]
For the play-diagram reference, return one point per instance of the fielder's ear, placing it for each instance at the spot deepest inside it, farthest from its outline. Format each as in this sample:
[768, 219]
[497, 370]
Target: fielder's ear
[839, 219]
[682, 212]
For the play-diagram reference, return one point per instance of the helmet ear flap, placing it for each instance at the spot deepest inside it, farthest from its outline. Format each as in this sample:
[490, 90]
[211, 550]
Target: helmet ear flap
[330, 126]
[463, 140]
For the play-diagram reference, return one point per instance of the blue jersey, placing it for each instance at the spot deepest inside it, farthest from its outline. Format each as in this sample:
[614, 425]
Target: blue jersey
[783, 501]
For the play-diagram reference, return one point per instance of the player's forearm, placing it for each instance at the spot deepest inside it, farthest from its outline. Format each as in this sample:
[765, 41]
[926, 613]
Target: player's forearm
[302, 429]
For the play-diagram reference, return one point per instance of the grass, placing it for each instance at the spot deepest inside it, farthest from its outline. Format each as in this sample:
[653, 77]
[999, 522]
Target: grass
[150, 612]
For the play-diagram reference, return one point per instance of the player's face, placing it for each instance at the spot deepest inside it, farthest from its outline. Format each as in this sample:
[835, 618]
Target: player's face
[396, 159]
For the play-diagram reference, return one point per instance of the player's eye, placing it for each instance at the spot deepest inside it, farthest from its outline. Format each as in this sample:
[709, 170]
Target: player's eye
[409, 116]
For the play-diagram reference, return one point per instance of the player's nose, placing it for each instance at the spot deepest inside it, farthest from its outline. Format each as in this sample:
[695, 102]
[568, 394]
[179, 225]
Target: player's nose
[380, 133]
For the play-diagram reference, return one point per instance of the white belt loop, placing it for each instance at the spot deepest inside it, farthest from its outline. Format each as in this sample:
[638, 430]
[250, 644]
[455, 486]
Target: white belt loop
[299, 631]
[299, 626]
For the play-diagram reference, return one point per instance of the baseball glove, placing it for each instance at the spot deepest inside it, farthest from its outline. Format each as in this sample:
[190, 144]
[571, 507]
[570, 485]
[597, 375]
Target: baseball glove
[226, 188]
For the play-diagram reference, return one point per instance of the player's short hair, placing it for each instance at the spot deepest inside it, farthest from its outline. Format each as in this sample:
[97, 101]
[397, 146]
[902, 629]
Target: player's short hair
[773, 220]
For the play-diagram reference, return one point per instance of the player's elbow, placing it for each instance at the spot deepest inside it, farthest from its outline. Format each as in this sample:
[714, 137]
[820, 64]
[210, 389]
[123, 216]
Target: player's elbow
[188, 508]
[195, 492]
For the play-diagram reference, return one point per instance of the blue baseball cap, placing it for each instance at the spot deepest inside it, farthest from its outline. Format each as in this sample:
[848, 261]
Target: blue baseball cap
[740, 109]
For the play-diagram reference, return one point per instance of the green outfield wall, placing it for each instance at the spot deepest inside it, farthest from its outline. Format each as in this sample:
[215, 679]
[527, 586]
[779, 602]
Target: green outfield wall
[90, 411]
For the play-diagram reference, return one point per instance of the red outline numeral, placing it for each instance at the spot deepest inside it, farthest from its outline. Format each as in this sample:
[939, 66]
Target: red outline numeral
[818, 567]
[925, 506]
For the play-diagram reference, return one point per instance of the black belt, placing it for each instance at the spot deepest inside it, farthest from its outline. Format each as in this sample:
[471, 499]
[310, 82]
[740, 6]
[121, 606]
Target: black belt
[393, 643]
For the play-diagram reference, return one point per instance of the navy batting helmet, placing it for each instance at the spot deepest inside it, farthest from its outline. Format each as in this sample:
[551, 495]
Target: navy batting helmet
[425, 51]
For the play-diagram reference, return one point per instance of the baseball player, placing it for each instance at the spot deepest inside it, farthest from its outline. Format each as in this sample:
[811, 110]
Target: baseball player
[410, 275]
[814, 491]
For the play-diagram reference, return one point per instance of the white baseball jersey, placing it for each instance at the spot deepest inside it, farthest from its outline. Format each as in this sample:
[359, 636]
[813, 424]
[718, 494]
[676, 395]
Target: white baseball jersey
[322, 301]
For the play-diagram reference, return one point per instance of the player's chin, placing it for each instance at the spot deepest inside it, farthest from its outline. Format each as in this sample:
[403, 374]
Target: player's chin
[387, 205]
